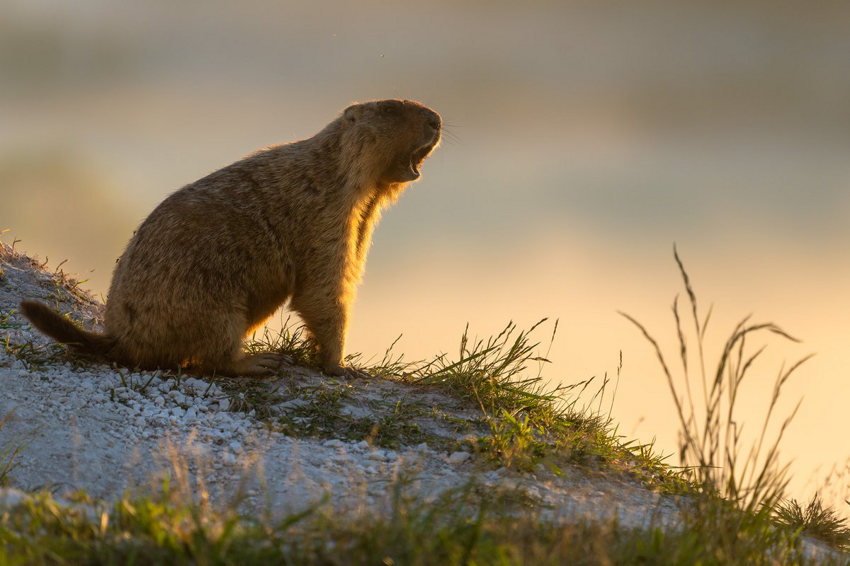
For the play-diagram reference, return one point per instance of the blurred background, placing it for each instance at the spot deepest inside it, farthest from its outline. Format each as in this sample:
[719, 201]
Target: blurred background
[586, 138]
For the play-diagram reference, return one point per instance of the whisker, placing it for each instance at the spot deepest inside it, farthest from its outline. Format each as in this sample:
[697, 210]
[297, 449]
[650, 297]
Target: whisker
[451, 136]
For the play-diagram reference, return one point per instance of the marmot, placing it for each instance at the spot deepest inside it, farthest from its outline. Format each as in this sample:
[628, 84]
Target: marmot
[291, 222]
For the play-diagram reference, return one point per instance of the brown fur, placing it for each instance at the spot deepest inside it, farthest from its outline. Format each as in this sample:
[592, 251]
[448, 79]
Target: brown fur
[293, 222]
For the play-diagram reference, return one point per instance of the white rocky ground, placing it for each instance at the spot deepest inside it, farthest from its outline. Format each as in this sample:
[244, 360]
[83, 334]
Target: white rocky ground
[107, 430]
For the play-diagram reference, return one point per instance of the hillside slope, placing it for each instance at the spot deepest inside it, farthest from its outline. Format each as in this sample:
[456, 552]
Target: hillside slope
[278, 444]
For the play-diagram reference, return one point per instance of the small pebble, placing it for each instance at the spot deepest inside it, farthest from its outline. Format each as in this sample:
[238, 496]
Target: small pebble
[459, 457]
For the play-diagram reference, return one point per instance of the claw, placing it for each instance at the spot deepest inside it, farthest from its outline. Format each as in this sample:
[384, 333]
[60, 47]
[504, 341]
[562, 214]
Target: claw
[354, 373]
[347, 372]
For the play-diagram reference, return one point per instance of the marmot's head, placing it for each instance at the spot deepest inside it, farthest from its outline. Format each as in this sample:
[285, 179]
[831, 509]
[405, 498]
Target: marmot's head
[394, 135]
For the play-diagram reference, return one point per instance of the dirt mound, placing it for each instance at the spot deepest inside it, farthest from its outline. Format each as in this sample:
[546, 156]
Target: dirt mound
[282, 443]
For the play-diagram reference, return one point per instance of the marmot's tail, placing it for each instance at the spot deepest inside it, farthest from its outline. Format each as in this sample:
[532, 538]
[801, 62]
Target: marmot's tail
[63, 330]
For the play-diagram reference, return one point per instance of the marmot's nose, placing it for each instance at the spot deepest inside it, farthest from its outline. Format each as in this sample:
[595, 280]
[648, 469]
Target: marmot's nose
[433, 118]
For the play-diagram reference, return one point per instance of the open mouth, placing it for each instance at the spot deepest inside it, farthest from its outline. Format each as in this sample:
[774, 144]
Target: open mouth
[419, 155]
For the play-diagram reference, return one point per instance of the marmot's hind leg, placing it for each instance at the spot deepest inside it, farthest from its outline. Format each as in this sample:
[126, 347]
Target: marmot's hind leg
[220, 353]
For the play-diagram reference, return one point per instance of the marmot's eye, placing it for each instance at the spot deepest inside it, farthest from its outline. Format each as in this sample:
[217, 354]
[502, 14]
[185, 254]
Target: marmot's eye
[389, 109]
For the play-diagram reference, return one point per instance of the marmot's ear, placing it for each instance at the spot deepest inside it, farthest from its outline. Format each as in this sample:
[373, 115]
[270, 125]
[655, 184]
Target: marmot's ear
[353, 113]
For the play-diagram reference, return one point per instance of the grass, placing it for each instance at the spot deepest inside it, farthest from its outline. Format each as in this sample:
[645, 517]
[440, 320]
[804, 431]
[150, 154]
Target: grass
[815, 521]
[10, 448]
[64, 290]
[325, 414]
[33, 355]
[710, 441]
[490, 374]
[465, 526]
[530, 424]
[292, 341]
[740, 488]
[518, 421]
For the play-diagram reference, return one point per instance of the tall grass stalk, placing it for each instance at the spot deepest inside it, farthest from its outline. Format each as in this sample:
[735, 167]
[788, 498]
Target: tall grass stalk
[711, 444]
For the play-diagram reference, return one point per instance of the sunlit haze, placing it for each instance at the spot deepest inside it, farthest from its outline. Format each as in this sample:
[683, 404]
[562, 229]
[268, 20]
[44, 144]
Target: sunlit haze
[584, 140]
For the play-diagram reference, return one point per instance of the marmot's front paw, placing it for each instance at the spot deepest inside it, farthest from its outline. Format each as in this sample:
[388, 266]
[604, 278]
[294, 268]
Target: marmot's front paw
[348, 372]
[260, 364]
